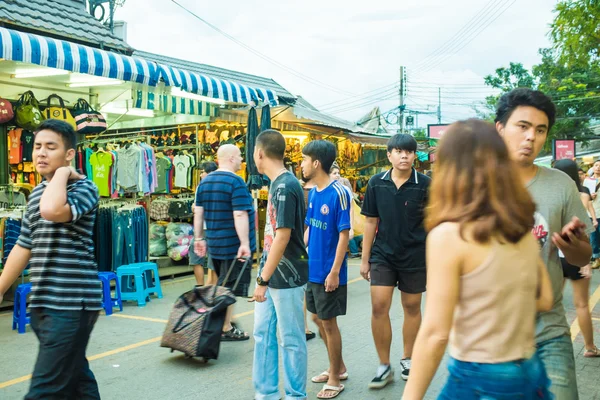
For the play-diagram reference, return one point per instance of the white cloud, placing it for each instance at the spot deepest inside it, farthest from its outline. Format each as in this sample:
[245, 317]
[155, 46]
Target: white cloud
[354, 46]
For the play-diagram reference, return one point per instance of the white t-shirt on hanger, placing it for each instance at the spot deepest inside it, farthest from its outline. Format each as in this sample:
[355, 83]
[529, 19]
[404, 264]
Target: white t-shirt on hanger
[182, 164]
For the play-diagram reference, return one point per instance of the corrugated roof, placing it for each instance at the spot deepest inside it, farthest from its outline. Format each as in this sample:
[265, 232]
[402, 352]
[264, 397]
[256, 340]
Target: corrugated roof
[65, 19]
[221, 73]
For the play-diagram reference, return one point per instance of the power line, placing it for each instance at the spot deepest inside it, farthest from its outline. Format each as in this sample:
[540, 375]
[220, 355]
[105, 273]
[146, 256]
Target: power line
[263, 56]
[376, 97]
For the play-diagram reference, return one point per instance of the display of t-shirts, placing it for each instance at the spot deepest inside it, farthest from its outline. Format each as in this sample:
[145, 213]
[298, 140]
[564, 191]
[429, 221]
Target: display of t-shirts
[14, 154]
[88, 167]
[182, 165]
[128, 167]
[10, 199]
[101, 163]
[27, 139]
[163, 167]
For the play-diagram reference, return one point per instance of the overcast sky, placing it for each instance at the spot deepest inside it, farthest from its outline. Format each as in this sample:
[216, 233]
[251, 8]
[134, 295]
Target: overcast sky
[353, 47]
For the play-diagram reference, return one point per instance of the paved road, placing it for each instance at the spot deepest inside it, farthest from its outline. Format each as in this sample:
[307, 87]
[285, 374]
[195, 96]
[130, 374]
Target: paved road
[129, 364]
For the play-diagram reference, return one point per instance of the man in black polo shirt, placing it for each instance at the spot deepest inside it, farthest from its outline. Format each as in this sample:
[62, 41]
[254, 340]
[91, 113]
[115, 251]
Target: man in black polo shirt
[394, 251]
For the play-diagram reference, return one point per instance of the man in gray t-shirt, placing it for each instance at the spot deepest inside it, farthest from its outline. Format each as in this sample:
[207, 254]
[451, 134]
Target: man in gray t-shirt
[523, 118]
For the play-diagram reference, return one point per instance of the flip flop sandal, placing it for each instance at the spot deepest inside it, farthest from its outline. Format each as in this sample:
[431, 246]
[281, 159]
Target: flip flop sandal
[310, 335]
[595, 352]
[335, 392]
[323, 377]
[234, 335]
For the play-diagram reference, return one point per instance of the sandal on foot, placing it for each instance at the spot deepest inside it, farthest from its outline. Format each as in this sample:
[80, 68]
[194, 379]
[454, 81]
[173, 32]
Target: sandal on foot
[323, 377]
[234, 335]
[330, 392]
[595, 352]
[310, 335]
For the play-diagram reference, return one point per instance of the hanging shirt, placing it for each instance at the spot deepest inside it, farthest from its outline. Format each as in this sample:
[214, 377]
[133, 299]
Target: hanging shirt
[102, 162]
[182, 165]
[27, 139]
[14, 155]
[163, 166]
[128, 168]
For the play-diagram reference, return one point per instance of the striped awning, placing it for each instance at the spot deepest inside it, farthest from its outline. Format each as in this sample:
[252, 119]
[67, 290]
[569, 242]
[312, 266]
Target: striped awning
[174, 105]
[55, 53]
[213, 87]
[61, 54]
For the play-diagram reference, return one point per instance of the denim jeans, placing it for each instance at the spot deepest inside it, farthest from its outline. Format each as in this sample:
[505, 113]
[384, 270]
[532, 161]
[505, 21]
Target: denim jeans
[283, 310]
[522, 379]
[354, 244]
[595, 242]
[62, 370]
[559, 361]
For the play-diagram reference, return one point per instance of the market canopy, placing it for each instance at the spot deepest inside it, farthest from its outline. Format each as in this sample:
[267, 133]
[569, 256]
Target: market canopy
[61, 54]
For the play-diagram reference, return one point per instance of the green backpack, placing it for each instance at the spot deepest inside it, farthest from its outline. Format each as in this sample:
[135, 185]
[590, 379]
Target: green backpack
[28, 114]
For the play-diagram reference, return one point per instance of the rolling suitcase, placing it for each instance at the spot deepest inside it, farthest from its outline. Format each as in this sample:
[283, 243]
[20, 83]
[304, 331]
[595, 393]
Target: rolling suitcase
[196, 320]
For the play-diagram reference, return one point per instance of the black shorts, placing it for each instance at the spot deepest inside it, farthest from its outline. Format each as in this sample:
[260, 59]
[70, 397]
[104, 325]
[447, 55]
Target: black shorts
[221, 267]
[570, 271]
[326, 305]
[412, 282]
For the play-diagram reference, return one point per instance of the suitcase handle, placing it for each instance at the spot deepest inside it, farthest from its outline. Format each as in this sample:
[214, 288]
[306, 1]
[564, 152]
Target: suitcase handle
[246, 262]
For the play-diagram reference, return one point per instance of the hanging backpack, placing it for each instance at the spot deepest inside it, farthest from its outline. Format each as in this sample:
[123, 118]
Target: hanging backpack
[59, 112]
[6, 111]
[28, 112]
[88, 120]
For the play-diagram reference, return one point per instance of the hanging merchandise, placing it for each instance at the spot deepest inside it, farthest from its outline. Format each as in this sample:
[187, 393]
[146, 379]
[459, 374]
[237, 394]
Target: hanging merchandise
[163, 168]
[183, 164]
[27, 140]
[28, 112]
[136, 168]
[6, 111]
[88, 120]
[14, 153]
[59, 112]
[101, 162]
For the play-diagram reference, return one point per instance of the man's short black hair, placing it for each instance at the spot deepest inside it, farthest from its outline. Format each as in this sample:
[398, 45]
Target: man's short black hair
[525, 97]
[61, 128]
[272, 144]
[209, 166]
[402, 141]
[322, 151]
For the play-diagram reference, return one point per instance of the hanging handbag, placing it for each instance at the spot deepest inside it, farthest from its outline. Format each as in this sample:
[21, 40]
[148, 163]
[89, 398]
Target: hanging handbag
[88, 120]
[59, 112]
[28, 112]
[6, 111]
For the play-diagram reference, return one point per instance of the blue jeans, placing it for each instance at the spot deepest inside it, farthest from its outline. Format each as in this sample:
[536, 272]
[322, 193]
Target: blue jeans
[354, 243]
[283, 309]
[523, 379]
[595, 242]
[559, 361]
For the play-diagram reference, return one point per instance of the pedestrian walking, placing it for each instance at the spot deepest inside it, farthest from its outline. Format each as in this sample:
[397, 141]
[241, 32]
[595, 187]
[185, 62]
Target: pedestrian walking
[580, 277]
[328, 221]
[57, 241]
[593, 181]
[224, 202]
[195, 261]
[281, 280]
[394, 251]
[524, 117]
[486, 278]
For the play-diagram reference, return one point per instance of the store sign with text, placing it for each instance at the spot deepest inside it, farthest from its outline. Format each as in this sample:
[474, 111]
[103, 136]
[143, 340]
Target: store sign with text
[436, 131]
[563, 148]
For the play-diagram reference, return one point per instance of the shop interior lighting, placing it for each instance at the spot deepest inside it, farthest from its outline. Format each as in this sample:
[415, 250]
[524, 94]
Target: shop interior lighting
[36, 73]
[105, 82]
[186, 95]
[138, 112]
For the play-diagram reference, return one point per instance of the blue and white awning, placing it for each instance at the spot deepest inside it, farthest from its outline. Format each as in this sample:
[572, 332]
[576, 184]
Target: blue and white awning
[213, 87]
[61, 54]
[174, 105]
[55, 53]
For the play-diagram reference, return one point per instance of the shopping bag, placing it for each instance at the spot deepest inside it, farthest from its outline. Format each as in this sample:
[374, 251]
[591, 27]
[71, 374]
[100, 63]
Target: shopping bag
[59, 111]
[88, 120]
[28, 112]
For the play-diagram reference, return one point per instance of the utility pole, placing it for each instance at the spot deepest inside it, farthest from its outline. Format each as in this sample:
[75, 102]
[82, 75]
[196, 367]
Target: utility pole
[439, 113]
[401, 104]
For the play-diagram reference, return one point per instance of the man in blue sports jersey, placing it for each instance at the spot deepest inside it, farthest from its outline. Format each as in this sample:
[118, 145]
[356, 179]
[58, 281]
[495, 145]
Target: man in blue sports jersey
[328, 221]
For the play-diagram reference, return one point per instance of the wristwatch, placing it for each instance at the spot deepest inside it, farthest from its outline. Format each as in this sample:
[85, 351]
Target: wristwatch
[261, 282]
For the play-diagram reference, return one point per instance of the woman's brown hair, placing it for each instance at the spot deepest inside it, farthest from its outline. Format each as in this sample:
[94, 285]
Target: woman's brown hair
[475, 181]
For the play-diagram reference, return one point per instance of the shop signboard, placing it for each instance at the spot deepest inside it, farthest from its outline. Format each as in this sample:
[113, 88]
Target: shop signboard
[563, 148]
[436, 131]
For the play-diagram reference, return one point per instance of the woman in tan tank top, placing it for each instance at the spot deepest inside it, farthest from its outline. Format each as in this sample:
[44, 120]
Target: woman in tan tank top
[485, 276]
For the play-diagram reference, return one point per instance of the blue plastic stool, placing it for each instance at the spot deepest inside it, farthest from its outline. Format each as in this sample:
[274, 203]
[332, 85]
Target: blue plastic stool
[151, 279]
[109, 302]
[133, 284]
[20, 315]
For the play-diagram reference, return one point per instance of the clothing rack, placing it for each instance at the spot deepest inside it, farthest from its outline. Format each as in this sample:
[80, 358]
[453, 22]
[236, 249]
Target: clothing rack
[116, 139]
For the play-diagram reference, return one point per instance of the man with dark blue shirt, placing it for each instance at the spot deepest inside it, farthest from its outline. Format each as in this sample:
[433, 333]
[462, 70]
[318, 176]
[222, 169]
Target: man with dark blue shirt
[223, 200]
[328, 221]
[394, 251]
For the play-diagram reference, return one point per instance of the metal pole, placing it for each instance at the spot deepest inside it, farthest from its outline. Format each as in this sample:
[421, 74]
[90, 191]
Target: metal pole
[401, 106]
[439, 113]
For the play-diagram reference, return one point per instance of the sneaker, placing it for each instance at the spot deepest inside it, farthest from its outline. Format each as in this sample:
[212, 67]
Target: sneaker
[381, 381]
[405, 367]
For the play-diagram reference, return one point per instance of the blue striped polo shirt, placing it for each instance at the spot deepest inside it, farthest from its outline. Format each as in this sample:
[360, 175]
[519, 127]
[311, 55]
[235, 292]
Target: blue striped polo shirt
[220, 194]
